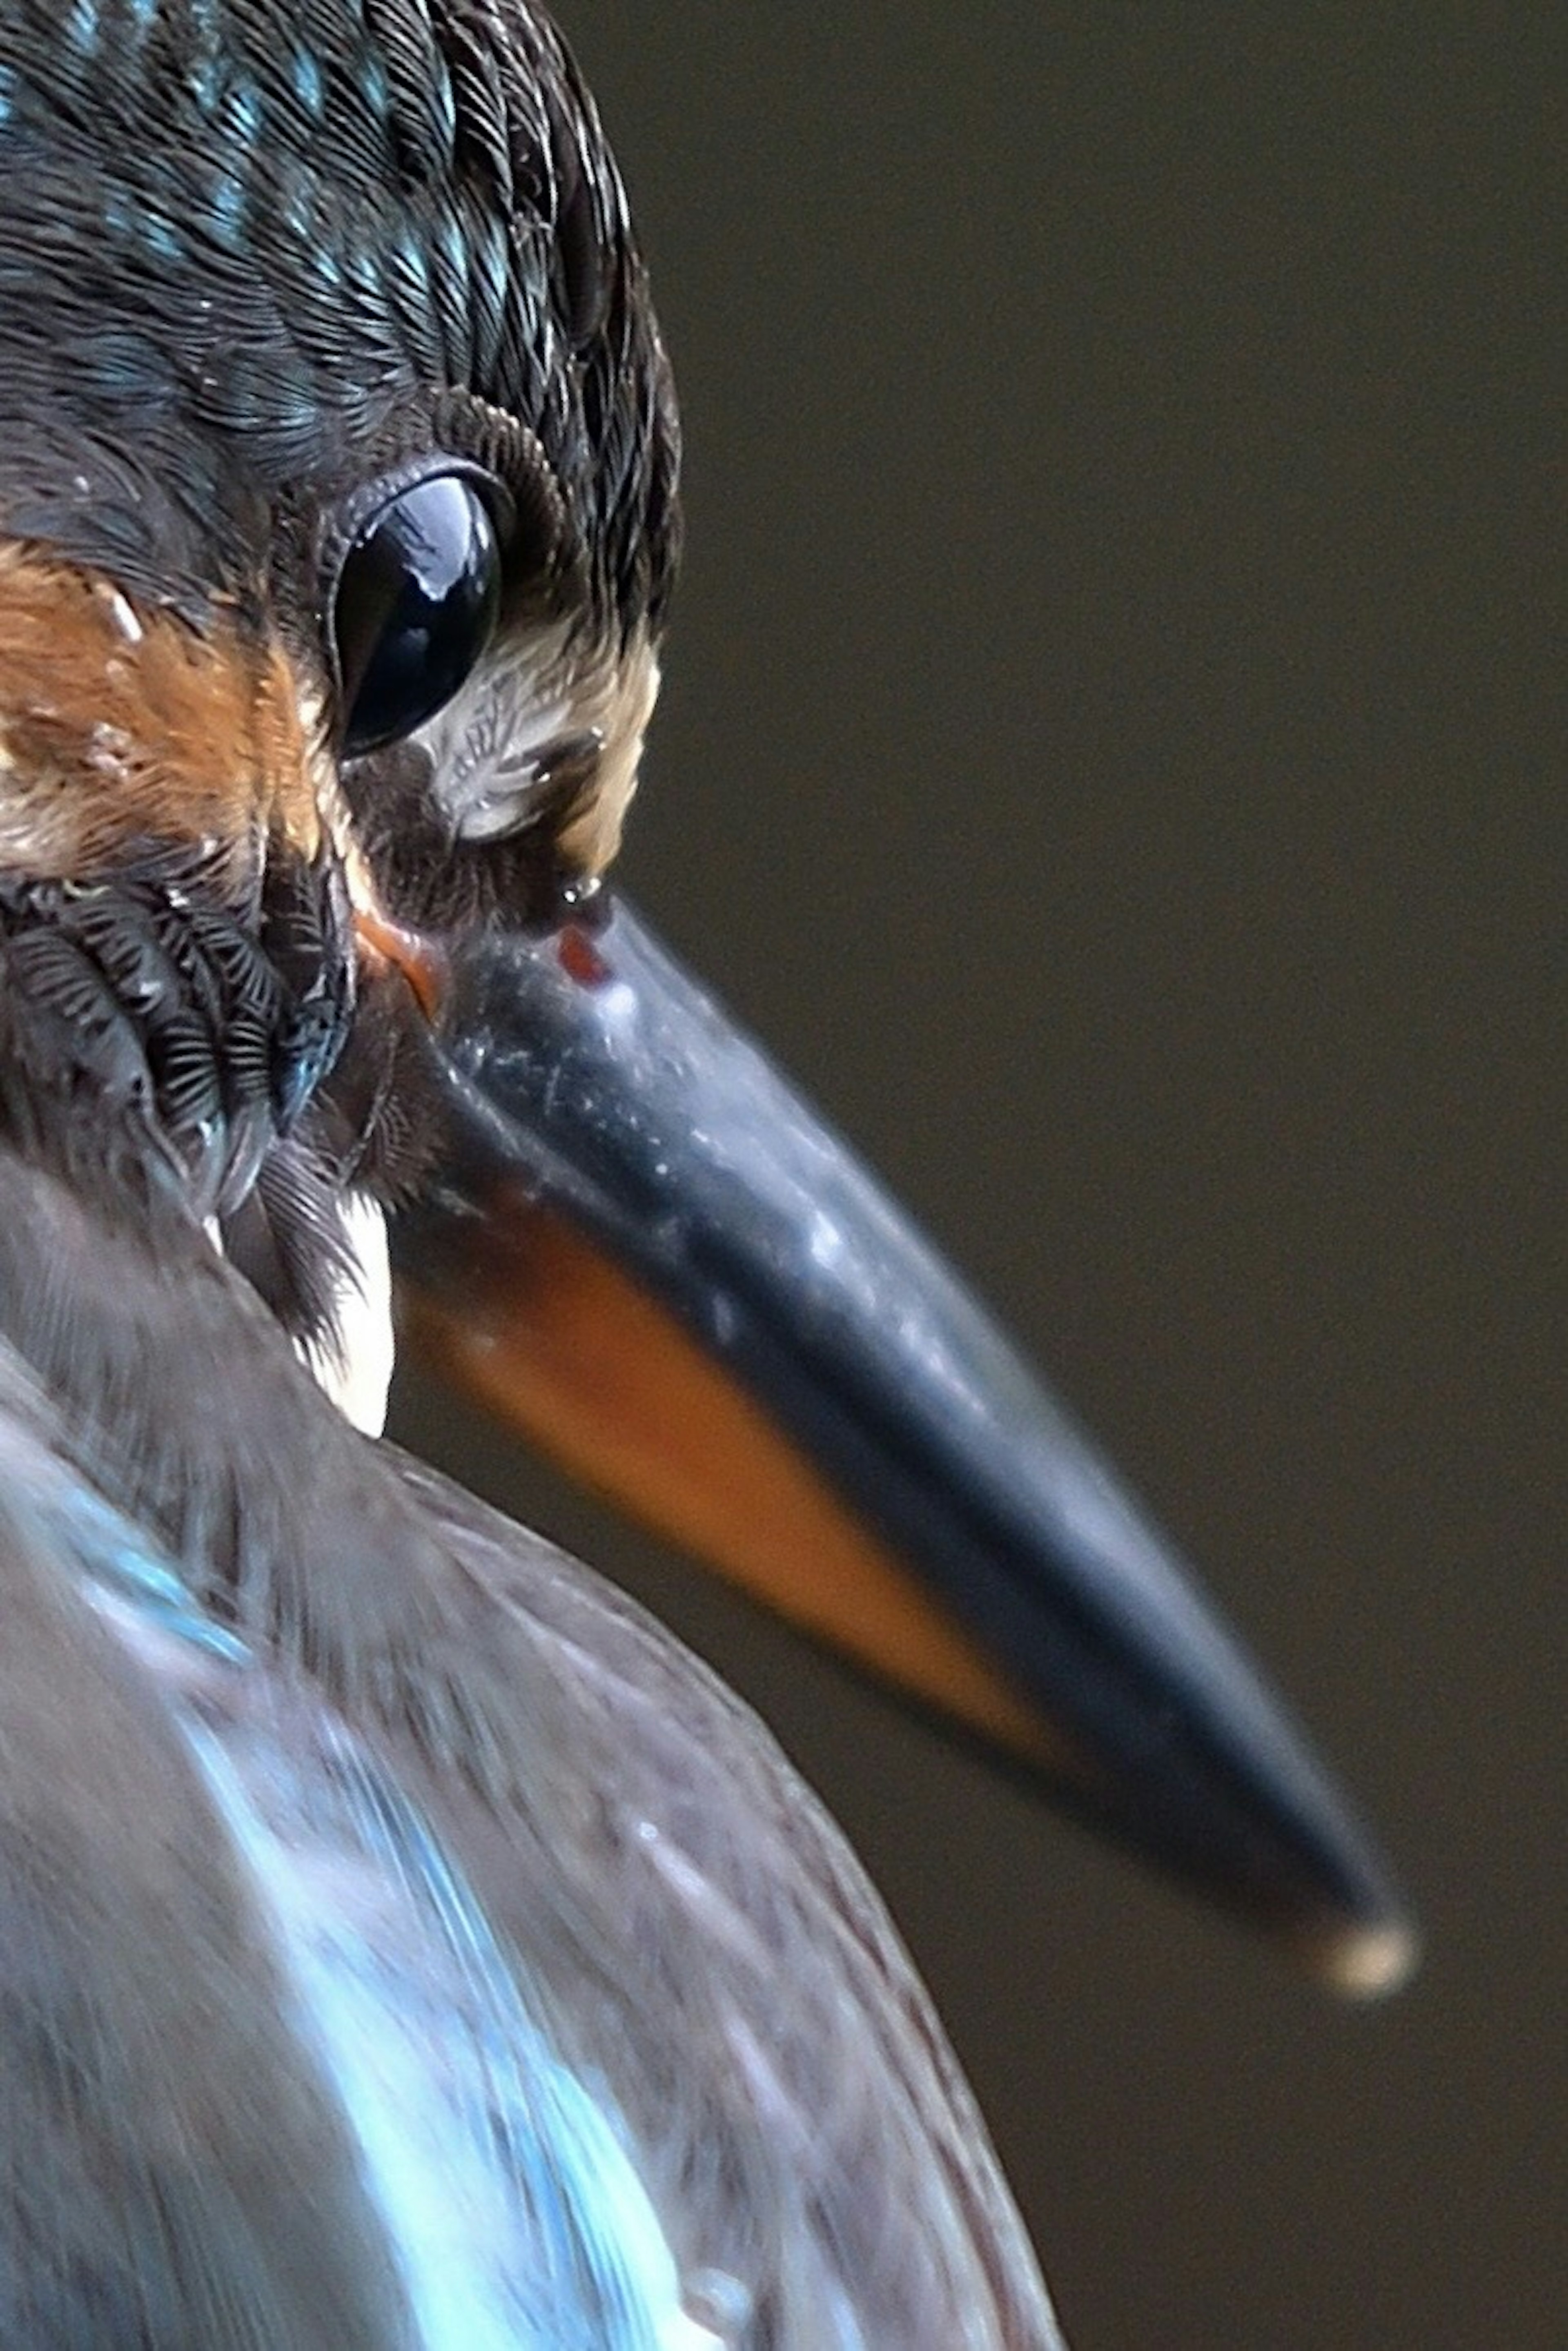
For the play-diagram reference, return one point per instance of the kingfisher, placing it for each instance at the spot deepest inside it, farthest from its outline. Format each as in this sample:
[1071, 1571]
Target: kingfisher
[404, 1944]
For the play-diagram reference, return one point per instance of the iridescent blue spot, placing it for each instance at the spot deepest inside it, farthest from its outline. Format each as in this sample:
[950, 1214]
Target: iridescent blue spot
[412, 265]
[117, 1556]
[153, 232]
[7, 93]
[127, 364]
[206, 83]
[161, 238]
[83, 24]
[362, 273]
[373, 88]
[310, 85]
[244, 111]
[445, 103]
[489, 258]
[225, 215]
[207, 72]
[453, 248]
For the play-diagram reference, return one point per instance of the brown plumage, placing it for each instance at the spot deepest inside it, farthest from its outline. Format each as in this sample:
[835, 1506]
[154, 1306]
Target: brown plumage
[111, 719]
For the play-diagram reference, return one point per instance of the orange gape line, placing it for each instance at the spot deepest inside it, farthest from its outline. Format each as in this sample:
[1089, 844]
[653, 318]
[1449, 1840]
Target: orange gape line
[568, 1348]
[417, 958]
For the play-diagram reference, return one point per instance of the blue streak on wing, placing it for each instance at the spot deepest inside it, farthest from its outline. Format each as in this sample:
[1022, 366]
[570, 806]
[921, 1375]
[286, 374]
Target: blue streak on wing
[507, 2190]
[513, 2203]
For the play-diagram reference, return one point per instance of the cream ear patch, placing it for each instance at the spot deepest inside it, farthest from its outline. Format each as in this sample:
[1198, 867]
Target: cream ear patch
[619, 715]
[545, 731]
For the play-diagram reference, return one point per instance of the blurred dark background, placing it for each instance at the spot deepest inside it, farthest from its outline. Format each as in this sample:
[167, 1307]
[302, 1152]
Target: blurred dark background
[1110, 751]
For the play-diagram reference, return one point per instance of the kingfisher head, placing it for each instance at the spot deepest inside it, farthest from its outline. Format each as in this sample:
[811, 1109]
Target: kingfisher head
[338, 525]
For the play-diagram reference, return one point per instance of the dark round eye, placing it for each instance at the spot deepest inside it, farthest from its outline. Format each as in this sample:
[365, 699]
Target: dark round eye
[415, 604]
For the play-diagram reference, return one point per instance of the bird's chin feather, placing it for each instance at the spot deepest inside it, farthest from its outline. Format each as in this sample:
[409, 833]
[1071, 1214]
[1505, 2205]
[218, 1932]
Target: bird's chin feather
[354, 1362]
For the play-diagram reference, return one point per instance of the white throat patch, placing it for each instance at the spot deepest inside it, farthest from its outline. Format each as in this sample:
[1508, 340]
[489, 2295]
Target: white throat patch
[356, 1373]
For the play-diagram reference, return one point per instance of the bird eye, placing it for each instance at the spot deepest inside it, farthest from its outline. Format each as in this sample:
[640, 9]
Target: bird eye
[415, 604]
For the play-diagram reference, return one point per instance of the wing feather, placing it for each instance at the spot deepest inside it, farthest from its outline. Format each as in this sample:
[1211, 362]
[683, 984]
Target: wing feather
[685, 1926]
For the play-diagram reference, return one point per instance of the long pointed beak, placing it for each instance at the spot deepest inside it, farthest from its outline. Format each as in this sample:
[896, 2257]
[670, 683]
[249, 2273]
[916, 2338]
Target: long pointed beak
[645, 1248]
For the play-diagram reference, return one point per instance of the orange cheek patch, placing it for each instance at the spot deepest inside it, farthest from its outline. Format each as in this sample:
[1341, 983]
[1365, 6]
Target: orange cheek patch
[120, 724]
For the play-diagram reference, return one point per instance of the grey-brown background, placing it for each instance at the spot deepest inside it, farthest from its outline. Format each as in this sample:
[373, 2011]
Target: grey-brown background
[1110, 751]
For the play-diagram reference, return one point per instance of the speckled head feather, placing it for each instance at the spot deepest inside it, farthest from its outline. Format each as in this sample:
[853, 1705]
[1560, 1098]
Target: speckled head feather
[358, 228]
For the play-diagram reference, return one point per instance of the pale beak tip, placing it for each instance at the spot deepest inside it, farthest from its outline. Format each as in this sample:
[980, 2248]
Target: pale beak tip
[1369, 1961]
